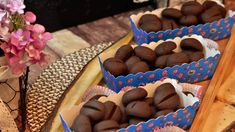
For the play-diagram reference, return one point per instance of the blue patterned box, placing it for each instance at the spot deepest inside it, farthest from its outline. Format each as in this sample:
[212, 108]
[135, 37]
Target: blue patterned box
[215, 31]
[182, 118]
[188, 72]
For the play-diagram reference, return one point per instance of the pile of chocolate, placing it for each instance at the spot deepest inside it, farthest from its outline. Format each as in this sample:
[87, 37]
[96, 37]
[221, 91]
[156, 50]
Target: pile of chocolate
[191, 13]
[142, 59]
[137, 107]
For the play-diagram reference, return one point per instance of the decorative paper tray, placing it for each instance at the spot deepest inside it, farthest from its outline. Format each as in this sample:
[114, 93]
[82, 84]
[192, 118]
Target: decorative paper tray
[90, 74]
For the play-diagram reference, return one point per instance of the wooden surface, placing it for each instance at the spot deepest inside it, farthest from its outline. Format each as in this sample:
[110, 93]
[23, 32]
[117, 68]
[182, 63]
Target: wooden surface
[208, 105]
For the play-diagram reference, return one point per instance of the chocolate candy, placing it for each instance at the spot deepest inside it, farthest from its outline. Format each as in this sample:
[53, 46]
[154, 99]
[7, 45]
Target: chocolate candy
[213, 14]
[161, 62]
[115, 66]
[149, 100]
[145, 53]
[163, 112]
[106, 126]
[132, 61]
[177, 59]
[93, 109]
[135, 121]
[134, 95]
[189, 20]
[82, 124]
[124, 52]
[165, 48]
[139, 67]
[191, 8]
[112, 111]
[208, 4]
[124, 125]
[194, 56]
[187, 93]
[96, 97]
[165, 97]
[151, 27]
[148, 18]
[191, 44]
[172, 13]
[220, 8]
[139, 109]
[169, 24]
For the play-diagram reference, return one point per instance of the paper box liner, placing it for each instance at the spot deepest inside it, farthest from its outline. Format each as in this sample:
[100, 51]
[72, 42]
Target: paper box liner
[215, 30]
[187, 72]
[182, 117]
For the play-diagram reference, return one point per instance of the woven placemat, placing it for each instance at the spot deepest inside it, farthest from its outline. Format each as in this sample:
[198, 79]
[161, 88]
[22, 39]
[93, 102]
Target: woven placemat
[44, 94]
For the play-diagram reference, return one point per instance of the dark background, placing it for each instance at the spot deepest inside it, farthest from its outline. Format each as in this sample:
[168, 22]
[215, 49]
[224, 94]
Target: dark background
[58, 14]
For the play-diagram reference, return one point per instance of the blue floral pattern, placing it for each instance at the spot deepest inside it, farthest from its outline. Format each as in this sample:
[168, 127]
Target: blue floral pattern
[189, 73]
[215, 31]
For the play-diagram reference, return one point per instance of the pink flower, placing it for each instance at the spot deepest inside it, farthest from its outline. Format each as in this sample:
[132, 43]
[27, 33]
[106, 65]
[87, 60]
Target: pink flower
[3, 13]
[30, 17]
[33, 52]
[14, 58]
[20, 38]
[16, 6]
[4, 33]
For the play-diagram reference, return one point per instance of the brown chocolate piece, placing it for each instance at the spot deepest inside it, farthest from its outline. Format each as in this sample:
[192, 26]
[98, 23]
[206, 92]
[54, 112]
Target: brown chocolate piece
[106, 125]
[124, 125]
[191, 8]
[139, 67]
[82, 124]
[135, 121]
[189, 20]
[172, 13]
[112, 111]
[208, 4]
[213, 14]
[132, 61]
[96, 97]
[191, 44]
[115, 66]
[151, 27]
[145, 53]
[134, 95]
[148, 18]
[165, 48]
[165, 97]
[149, 100]
[221, 9]
[163, 112]
[94, 110]
[194, 56]
[139, 109]
[177, 59]
[187, 93]
[124, 52]
[169, 24]
[161, 61]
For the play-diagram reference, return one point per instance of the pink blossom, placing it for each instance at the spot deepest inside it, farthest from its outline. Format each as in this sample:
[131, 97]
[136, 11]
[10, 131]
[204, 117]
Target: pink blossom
[30, 17]
[16, 6]
[37, 28]
[4, 33]
[3, 13]
[33, 52]
[20, 38]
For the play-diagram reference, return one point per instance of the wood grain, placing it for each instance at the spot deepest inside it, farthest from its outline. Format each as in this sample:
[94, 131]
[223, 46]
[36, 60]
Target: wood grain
[220, 116]
[103, 30]
[215, 84]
